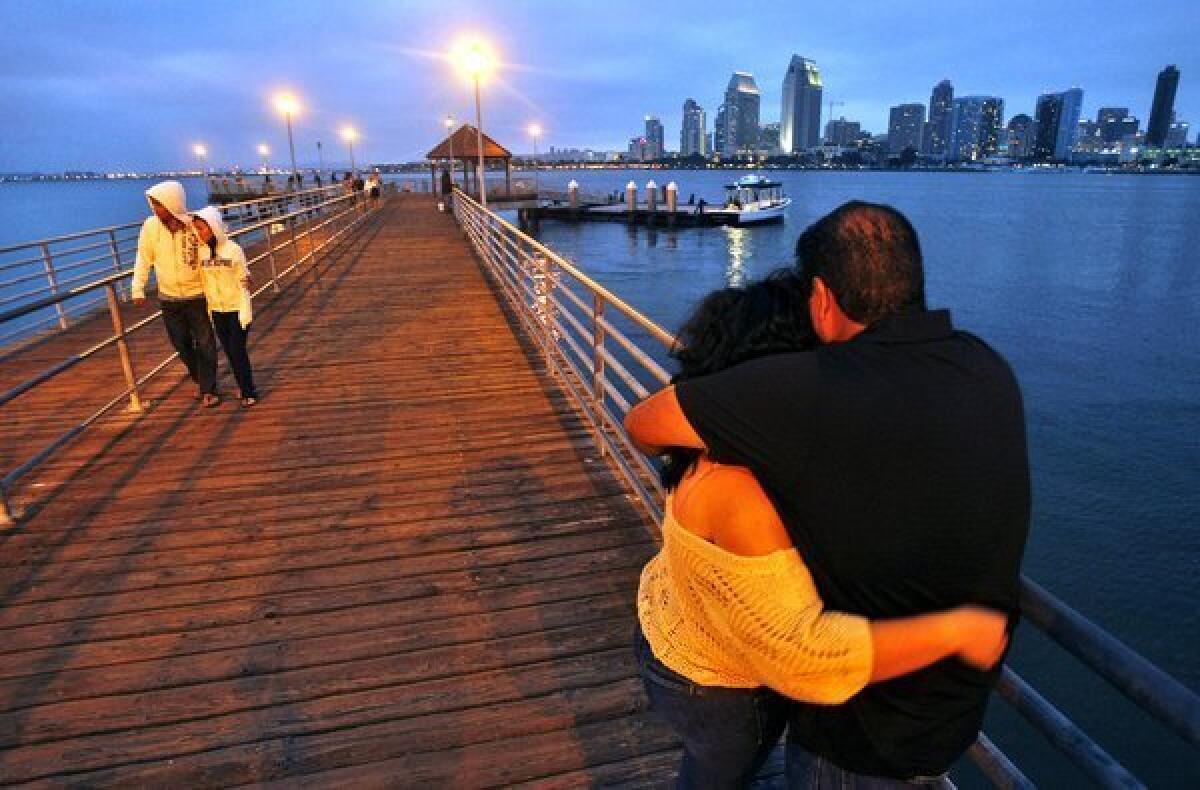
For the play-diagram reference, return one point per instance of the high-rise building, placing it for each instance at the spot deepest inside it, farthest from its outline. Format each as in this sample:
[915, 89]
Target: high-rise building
[1057, 125]
[1020, 133]
[800, 119]
[768, 138]
[974, 128]
[941, 105]
[742, 102]
[1163, 108]
[841, 132]
[655, 137]
[718, 143]
[692, 134]
[1113, 123]
[640, 150]
[1177, 135]
[906, 122]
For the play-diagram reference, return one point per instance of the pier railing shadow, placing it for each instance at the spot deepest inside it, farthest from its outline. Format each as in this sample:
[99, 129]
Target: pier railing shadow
[593, 344]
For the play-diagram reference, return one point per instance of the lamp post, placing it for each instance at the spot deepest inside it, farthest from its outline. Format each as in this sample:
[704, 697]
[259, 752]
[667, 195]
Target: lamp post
[474, 57]
[200, 152]
[287, 105]
[320, 161]
[350, 134]
[535, 132]
[449, 123]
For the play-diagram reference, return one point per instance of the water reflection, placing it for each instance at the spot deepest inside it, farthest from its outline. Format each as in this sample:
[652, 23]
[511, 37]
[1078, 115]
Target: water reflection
[737, 242]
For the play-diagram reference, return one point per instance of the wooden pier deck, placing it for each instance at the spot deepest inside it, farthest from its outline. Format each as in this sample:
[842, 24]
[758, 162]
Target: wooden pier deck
[407, 566]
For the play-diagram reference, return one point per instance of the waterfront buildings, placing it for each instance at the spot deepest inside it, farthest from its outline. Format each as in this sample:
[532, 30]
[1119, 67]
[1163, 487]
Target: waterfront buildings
[1057, 119]
[906, 122]
[842, 133]
[937, 131]
[693, 135]
[1162, 110]
[768, 139]
[742, 105]
[975, 123]
[718, 142]
[1116, 124]
[800, 118]
[1020, 134]
[1177, 134]
[655, 137]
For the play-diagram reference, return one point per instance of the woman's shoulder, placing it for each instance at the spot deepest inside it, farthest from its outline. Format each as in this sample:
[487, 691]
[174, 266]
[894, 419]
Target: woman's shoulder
[727, 506]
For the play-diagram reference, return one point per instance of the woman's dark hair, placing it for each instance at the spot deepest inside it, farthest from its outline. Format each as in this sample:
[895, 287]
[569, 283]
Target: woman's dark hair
[735, 325]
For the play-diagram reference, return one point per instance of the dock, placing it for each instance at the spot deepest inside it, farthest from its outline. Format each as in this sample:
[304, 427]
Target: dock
[407, 565]
[684, 216]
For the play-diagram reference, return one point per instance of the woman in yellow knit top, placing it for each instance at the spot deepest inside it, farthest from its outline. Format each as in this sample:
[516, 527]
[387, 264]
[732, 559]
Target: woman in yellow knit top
[731, 622]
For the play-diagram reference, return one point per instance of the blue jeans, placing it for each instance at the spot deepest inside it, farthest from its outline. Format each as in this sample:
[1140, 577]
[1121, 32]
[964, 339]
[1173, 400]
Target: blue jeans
[808, 771]
[727, 733]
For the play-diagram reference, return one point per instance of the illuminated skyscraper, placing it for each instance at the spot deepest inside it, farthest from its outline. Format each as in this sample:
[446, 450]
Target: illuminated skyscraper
[742, 101]
[974, 128]
[906, 122]
[800, 119]
[693, 134]
[1163, 109]
[1057, 125]
[655, 137]
[941, 105]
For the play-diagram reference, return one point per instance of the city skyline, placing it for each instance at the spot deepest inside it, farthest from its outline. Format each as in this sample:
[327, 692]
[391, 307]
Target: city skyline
[106, 104]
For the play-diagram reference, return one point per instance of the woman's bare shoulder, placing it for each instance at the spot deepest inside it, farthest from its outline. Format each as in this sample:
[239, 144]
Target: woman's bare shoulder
[728, 507]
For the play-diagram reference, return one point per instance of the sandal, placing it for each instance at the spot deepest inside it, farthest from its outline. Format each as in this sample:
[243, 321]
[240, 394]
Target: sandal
[210, 401]
[248, 402]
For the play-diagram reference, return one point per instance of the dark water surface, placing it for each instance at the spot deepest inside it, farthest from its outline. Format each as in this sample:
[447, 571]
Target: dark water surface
[1090, 285]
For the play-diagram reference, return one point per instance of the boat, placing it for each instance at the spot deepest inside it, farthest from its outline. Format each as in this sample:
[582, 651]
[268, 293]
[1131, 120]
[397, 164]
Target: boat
[754, 199]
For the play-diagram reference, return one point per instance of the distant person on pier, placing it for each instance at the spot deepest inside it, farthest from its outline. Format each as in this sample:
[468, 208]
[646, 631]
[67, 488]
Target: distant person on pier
[728, 609]
[895, 455]
[227, 286]
[168, 244]
[447, 187]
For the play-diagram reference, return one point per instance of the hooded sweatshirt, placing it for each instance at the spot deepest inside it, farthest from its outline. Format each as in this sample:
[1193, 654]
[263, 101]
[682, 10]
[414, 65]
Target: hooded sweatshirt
[223, 270]
[175, 257]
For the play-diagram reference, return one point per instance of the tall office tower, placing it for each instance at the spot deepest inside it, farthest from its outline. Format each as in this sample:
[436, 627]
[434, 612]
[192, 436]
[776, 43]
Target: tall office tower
[768, 138]
[800, 119]
[974, 128]
[1057, 124]
[841, 132]
[742, 101]
[692, 134]
[655, 137]
[1109, 119]
[718, 143]
[1020, 130]
[1163, 107]
[941, 105]
[905, 124]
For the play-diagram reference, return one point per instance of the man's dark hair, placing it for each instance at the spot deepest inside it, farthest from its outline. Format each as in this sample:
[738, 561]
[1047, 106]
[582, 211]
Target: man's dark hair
[869, 257]
[735, 325]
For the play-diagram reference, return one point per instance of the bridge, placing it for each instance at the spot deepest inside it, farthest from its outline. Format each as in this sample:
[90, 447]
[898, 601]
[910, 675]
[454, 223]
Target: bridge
[414, 562]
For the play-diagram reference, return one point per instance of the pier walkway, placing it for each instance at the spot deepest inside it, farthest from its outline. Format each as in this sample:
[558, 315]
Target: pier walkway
[408, 565]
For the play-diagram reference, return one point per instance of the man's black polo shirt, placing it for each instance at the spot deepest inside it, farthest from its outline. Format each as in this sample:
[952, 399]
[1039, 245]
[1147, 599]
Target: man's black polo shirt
[897, 460]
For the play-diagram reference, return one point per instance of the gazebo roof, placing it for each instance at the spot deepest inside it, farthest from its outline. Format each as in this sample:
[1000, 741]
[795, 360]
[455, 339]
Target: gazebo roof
[466, 146]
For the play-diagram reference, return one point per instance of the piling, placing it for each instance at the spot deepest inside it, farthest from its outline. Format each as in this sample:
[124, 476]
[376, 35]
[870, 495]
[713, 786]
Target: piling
[631, 200]
[671, 195]
[651, 201]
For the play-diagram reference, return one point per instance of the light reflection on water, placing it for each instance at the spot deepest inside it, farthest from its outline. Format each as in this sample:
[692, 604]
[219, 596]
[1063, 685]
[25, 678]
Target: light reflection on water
[738, 241]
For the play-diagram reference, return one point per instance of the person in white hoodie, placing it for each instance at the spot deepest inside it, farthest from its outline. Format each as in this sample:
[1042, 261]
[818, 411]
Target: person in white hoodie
[169, 245]
[227, 288]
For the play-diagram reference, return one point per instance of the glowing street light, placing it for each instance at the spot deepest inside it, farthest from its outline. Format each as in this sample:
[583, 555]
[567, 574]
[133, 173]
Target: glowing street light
[350, 134]
[200, 151]
[288, 105]
[475, 59]
[535, 132]
[264, 151]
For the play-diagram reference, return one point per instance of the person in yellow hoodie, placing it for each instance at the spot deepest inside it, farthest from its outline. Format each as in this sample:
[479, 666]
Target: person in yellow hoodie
[227, 288]
[168, 244]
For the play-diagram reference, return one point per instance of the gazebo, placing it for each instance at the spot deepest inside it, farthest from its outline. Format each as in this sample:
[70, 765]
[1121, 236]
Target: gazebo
[463, 146]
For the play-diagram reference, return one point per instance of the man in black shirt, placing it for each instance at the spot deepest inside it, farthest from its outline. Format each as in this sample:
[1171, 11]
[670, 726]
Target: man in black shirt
[895, 454]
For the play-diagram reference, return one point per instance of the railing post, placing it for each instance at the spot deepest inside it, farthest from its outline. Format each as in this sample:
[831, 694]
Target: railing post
[271, 256]
[598, 366]
[48, 263]
[116, 256]
[114, 309]
[291, 221]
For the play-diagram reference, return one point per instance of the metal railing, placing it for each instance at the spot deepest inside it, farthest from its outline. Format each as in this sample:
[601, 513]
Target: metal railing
[267, 227]
[573, 320]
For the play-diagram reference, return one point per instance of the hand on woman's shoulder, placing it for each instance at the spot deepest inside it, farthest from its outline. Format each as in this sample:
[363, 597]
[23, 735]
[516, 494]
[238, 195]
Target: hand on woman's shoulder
[726, 506]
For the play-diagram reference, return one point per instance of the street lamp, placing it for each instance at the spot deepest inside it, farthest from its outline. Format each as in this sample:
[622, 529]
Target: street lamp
[350, 134]
[287, 104]
[475, 59]
[535, 132]
[264, 151]
[201, 152]
[449, 124]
